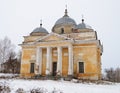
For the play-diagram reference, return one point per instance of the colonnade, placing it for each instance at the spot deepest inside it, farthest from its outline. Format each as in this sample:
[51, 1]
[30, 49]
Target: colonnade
[49, 60]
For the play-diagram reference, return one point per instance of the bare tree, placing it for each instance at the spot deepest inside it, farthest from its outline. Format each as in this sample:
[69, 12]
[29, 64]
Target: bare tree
[6, 48]
[117, 74]
[113, 74]
[19, 55]
[11, 63]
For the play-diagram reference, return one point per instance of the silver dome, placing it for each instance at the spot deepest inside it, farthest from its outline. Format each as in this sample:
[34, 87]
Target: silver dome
[40, 29]
[65, 20]
[83, 25]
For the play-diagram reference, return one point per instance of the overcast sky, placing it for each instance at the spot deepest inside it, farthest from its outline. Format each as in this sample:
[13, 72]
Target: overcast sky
[18, 18]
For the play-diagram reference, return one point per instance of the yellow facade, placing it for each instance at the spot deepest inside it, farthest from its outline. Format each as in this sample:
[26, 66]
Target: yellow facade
[66, 51]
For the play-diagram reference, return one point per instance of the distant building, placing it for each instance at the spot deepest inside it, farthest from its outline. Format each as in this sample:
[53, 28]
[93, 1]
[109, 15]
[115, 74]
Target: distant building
[69, 50]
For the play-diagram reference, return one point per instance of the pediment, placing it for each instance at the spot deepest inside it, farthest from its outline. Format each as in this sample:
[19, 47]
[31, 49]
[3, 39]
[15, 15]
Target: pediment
[52, 37]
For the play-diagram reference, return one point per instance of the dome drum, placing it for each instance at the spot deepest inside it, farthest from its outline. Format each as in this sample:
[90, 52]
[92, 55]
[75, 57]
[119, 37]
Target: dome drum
[38, 34]
[65, 29]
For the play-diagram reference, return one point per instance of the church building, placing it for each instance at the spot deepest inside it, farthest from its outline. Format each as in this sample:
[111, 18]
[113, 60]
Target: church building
[69, 50]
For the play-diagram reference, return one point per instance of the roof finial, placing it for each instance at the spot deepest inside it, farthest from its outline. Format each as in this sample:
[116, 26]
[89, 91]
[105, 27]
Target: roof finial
[82, 18]
[66, 6]
[41, 23]
[66, 11]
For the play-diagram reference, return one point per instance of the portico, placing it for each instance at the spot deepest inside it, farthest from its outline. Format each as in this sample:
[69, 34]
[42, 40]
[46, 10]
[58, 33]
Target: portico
[54, 54]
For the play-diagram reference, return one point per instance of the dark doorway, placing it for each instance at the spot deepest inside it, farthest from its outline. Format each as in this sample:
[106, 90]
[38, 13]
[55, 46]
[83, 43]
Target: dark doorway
[32, 68]
[54, 68]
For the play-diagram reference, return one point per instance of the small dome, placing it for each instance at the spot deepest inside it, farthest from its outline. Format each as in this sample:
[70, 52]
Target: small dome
[39, 31]
[83, 25]
[65, 20]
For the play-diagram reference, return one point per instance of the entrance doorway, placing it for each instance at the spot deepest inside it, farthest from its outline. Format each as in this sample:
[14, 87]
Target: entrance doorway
[54, 68]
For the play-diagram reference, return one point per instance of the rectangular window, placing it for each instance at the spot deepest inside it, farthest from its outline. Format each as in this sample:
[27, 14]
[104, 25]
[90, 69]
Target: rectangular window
[32, 68]
[81, 67]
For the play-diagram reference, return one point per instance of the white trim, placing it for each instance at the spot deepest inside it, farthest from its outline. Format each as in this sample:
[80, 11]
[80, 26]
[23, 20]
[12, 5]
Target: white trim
[52, 46]
[69, 41]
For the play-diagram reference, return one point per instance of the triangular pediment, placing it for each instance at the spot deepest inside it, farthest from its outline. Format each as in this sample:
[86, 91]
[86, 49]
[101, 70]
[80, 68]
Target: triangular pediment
[53, 37]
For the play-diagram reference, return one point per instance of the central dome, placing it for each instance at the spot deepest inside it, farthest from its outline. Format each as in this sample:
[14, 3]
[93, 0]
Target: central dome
[64, 25]
[65, 20]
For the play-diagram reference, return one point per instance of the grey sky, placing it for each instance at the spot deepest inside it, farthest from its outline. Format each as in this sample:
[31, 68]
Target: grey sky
[19, 17]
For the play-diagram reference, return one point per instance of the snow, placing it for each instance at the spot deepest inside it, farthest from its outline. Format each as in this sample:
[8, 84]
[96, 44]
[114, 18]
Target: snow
[59, 85]
[8, 75]
[64, 86]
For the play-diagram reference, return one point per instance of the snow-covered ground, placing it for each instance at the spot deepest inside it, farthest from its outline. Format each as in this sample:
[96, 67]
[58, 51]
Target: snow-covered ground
[8, 75]
[60, 85]
[64, 86]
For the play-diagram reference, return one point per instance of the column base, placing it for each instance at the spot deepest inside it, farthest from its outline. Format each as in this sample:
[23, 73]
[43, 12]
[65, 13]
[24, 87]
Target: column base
[47, 72]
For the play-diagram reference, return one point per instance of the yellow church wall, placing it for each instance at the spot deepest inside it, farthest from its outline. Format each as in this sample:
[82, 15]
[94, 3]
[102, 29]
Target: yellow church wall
[27, 53]
[88, 55]
[99, 62]
[25, 71]
[65, 61]
[28, 56]
[44, 52]
[24, 68]
[75, 68]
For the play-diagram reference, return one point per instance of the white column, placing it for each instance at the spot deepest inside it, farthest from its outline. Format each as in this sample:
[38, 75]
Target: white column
[37, 61]
[48, 61]
[70, 66]
[40, 61]
[59, 62]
